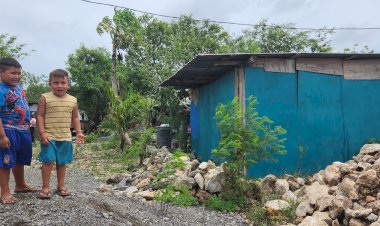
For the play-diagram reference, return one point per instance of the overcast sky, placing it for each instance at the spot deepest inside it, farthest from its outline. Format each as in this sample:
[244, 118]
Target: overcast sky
[55, 28]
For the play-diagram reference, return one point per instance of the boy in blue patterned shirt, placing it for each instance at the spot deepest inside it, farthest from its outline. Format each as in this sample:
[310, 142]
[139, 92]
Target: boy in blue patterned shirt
[15, 139]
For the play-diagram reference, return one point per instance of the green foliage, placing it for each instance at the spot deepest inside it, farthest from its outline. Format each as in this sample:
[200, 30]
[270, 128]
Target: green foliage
[179, 196]
[92, 137]
[90, 73]
[176, 162]
[170, 166]
[34, 86]
[260, 217]
[140, 139]
[277, 38]
[10, 48]
[354, 49]
[219, 204]
[245, 138]
[130, 112]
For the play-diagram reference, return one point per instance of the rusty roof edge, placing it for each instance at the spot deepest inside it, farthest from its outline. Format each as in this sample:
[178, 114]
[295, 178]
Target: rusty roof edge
[245, 56]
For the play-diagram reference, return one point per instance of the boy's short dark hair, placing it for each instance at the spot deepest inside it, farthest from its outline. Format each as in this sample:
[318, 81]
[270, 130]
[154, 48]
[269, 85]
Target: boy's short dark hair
[6, 63]
[60, 73]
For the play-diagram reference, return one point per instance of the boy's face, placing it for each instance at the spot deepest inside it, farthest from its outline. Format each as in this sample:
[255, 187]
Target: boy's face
[11, 76]
[59, 85]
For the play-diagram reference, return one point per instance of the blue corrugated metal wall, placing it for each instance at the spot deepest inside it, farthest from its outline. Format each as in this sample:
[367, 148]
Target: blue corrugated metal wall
[204, 133]
[326, 117]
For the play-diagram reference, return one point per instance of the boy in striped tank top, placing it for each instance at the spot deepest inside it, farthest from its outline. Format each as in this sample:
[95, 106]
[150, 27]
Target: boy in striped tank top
[56, 111]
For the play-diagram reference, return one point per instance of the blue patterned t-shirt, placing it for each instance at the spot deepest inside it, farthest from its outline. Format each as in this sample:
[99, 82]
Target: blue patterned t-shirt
[14, 113]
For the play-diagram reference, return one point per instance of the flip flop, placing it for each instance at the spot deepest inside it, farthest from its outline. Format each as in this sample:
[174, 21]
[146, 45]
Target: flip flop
[45, 195]
[8, 199]
[63, 192]
[27, 189]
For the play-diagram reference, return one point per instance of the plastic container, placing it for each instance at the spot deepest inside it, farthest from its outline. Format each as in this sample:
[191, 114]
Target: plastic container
[164, 136]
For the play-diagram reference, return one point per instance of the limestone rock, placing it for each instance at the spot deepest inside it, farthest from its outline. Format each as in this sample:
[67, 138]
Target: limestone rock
[215, 180]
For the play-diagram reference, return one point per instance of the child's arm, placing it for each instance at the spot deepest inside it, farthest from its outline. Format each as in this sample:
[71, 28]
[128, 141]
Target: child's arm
[41, 120]
[76, 124]
[4, 141]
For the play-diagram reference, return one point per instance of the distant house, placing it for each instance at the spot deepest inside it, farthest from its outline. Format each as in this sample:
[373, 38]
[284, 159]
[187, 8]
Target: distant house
[328, 103]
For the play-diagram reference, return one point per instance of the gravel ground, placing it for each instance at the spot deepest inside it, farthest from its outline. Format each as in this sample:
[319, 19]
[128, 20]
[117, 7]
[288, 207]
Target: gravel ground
[88, 207]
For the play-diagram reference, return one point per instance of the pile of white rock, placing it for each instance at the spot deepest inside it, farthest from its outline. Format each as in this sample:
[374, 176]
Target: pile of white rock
[341, 194]
[203, 179]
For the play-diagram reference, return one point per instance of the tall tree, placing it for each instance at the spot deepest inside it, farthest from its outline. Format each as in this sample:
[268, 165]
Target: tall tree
[10, 48]
[119, 30]
[276, 38]
[90, 75]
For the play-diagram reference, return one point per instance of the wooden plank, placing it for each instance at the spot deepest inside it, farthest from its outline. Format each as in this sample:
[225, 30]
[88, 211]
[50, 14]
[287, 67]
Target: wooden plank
[274, 64]
[256, 62]
[241, 85]
[333, 66]
[236, 82]
[361, 69]
[280, 65]
[194, 95]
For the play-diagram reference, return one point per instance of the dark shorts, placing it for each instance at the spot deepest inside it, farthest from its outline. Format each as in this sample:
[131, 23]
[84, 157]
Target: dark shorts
[60, 152]
[20, 151]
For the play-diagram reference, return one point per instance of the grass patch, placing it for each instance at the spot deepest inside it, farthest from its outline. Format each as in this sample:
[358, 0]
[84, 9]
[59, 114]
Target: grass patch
[260, 217]
[179, 196]
[216, 203]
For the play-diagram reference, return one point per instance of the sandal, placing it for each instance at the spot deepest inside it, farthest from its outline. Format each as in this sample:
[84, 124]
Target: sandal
[8, 199]
[63, 192]
[45, 195]
[27, 189]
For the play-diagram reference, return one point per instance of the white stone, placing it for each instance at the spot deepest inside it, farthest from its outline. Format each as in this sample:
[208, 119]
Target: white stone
[281, 186]
[311, 221]
[304, 208]
[215, 180]
[200, 181]
[276, 204]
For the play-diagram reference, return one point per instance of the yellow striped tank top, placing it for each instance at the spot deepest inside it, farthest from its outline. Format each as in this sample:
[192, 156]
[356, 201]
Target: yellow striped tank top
[58, 115]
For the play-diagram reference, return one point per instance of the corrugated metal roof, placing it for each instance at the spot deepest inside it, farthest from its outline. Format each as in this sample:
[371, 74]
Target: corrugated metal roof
[206, 68]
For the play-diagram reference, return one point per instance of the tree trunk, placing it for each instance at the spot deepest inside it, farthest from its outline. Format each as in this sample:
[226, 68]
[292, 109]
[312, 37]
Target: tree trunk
[114, 81]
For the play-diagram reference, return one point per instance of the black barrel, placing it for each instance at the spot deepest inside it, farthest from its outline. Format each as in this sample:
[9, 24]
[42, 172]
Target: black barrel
[164, 136]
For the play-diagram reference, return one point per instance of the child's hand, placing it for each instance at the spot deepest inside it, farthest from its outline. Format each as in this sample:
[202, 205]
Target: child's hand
[4, 142]
[79, 139]
[45, 139]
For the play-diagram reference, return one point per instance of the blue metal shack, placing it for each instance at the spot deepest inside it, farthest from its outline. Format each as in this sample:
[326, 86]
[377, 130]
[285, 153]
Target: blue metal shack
[328, 103]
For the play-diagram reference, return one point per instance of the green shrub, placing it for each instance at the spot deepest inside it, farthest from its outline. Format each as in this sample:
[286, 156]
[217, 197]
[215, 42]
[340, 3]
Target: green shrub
[179, 196]
[260, 217]
[219, 204]
[91, 138]
[245, 138]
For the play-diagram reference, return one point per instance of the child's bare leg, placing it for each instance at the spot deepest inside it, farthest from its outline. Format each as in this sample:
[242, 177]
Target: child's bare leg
[6, 196]
[46, 173]
[4, 181]
[18, 173]
[61, 173]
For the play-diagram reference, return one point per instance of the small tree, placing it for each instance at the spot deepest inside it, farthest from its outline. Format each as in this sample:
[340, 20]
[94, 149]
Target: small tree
[128, 113]
[246, 138]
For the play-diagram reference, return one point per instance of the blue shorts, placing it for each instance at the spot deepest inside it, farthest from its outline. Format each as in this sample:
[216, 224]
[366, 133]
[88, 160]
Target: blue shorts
[20, 151]
[60, 152]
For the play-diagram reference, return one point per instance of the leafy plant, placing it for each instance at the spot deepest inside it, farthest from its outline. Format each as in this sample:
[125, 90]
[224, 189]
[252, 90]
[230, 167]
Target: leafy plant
[179, 196]
[140, 140]
[259, 216]
[219, 204]
[246, 138]
[92, 137]
[128, 113]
